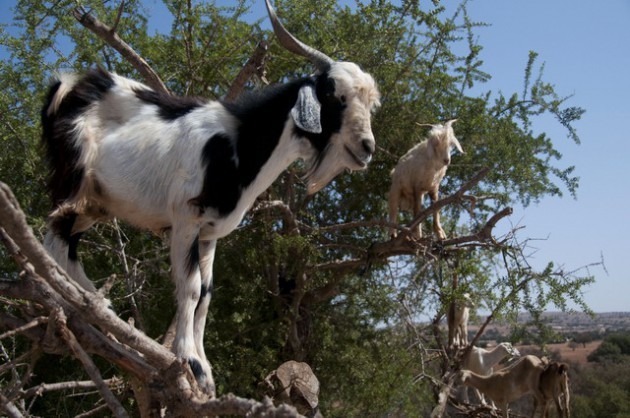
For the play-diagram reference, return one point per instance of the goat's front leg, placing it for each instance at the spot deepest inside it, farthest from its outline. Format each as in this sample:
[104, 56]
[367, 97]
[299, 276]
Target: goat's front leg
[393, 201]
[185, 263]
[437, 226]
[417, 208]
[206, 260]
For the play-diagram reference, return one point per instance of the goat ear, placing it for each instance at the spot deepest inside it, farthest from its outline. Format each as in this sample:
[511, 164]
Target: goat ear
[307, 110]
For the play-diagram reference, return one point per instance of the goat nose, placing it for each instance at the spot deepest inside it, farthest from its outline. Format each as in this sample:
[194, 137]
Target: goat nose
[368, 145]
[447, 161]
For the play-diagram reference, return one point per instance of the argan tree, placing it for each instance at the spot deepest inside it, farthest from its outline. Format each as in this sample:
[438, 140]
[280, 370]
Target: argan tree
[307, 278]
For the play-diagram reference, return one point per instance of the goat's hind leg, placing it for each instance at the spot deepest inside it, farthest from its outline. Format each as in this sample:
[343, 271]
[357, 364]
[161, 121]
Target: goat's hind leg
[62, 239]
[185, 261]
[393, 202]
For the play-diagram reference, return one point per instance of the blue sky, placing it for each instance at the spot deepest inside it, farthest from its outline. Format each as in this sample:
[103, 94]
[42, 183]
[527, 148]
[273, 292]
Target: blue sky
[584, 46]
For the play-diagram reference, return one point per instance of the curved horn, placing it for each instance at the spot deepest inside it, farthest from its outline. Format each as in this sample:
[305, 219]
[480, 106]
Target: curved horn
[425, 124]
[321, 60]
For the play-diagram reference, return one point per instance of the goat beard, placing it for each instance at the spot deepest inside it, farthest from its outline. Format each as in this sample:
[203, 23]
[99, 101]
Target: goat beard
[324, 168]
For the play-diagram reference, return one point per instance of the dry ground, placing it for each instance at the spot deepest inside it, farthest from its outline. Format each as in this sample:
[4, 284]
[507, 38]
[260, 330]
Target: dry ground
[567, 354]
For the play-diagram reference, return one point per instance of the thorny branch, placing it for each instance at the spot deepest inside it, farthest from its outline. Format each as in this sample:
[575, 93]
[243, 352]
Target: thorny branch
[42, 277]
[255, 65]
[89, 318]
[110, 36]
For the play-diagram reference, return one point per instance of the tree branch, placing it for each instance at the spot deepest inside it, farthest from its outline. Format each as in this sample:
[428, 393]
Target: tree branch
[7, 406]
[255, 65]
[71, 385]
[34, 323]
[169, 379]
[59, 319]
[110, 36]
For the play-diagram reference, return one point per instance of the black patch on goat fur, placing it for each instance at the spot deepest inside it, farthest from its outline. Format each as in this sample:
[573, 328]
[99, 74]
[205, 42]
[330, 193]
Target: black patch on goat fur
[206, 291]
[221, 189]
[331, 113]
[65, 172]
[196, 368]
[62, 227]
[192, 262]
[262, 116]
[170, 107]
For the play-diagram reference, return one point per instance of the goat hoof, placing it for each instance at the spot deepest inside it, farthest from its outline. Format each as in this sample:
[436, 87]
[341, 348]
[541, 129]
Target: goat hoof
[202, 377]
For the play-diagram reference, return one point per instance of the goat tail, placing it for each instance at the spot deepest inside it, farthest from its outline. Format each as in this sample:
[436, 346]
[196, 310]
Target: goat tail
[60, 86]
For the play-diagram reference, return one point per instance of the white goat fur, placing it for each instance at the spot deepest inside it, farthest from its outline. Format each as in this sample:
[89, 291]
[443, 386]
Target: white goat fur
[482, 361]
[152, 171]
[509, 384]
[457, 317]
[419, 172]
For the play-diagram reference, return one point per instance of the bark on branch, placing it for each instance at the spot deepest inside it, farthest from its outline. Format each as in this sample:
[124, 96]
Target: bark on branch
[110, 36]
[44, 282]
[255, 65]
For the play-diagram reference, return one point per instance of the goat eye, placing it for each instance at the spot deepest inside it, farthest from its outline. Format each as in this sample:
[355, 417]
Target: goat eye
[343, 99]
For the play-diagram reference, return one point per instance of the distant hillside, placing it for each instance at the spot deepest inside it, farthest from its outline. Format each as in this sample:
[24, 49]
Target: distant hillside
[607, 321]
[561, 322]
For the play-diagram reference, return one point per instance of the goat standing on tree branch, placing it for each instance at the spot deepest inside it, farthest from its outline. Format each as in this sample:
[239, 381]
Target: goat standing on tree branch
[419, 172]
[457, 318]
[509, 384]
[481, 361]
[194, 167]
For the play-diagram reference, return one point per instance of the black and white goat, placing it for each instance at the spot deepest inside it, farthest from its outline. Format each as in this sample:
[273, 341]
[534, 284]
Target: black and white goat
[193, 167]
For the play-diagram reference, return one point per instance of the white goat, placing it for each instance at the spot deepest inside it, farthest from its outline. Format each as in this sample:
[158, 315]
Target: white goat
[481, 361]
[194, 167]
[554, 385]
[457, 319]
[419, 172]
[509, 384]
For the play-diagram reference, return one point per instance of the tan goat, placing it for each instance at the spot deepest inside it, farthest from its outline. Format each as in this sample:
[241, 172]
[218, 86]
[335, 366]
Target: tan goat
[419, 172]
[554, 384]
[509, 384]
[482, 361]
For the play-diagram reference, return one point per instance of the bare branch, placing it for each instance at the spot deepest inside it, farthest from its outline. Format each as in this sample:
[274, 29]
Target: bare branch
[458, 195]
[94, 411]
[60, 321]
[35, 322]
[255, 65]
[109, 35]
[121, 8]
[8, 407]
[71, 385]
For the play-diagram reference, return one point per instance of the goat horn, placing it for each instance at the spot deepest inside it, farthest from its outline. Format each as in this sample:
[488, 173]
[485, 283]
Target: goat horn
[321, 60]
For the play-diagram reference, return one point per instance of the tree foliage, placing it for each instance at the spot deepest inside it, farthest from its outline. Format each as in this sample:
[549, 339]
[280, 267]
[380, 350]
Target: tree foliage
[301, 278]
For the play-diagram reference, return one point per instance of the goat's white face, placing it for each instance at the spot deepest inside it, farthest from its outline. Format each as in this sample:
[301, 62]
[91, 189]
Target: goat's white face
[352, 144]
[513, 351]
[442, 139]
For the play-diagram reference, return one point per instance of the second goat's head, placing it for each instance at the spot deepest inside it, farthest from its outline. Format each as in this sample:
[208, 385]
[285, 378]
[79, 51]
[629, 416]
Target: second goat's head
[442, 140]
[333, 112]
